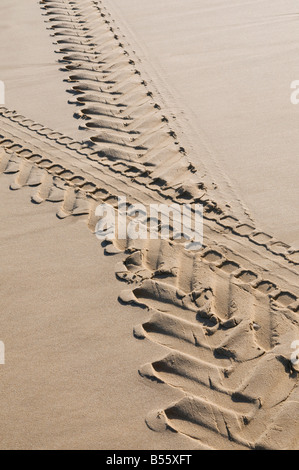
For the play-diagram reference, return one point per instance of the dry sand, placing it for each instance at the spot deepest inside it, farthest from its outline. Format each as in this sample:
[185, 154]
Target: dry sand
[145, 345]
[229, 65]
[71, 359]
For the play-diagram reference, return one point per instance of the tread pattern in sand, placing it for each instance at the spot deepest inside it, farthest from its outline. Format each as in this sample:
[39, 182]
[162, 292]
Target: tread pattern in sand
[227, 314]
[228, 334]
[222, 322]
[130, 127]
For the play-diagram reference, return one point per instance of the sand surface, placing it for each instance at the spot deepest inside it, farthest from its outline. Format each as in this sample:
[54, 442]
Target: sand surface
[144, 344]
[66, 346]
[34, 85]
[228, 66]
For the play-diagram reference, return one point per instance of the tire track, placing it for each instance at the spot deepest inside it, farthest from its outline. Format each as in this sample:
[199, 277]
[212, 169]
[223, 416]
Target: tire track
[222, 322]
[115, 102]
[226, 322]
[229, 341]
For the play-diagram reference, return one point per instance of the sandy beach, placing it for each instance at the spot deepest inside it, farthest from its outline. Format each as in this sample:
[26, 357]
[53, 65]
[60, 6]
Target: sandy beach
[145, 343]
